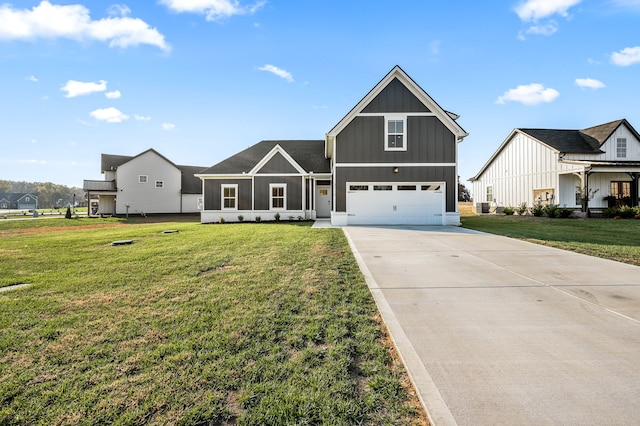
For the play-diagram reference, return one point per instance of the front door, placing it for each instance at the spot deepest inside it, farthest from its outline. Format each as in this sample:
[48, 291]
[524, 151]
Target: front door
[323, 201]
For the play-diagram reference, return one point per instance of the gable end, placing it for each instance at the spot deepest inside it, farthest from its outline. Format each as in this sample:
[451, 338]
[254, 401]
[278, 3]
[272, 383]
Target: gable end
[395, 97]
[277, 165]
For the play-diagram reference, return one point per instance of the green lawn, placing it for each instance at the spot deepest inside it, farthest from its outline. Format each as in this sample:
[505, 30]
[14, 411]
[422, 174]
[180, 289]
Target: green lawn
[611, 239]
[215, 324]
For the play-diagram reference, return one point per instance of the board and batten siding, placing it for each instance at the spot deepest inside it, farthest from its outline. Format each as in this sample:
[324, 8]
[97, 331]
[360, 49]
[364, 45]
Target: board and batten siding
[522, 166]
[428, 141]
[395, 97]
[386, 174]
[263, 195]
[213, 193]
[278, 164]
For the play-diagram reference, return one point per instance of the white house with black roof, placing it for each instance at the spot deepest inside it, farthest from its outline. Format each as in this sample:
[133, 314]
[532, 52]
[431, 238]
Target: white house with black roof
[147, 183]
[574, 168]
[18, 201]
[391, 160]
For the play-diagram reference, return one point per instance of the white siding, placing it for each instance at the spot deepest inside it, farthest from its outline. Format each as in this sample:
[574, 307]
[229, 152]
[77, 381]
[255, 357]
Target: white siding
[522, 166]
[633, 148]
[145, 197]
[190, 203]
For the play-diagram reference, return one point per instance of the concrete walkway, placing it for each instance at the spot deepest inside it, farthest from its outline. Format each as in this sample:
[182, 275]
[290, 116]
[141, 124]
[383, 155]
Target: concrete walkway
[499, 331]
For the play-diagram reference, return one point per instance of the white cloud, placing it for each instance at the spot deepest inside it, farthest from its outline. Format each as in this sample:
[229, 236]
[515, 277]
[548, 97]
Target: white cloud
[79, 88]
[277, 71]
[73, 22]
[531, 94]
[32, 78]
[168, 126]
[544, 30]
[113, 95]
[532, 10]
[213, 9]
[33, 161]
[141, 117]
[119, 10]
[627, 56]
[110, 115]
[590, 83]
[633, 4]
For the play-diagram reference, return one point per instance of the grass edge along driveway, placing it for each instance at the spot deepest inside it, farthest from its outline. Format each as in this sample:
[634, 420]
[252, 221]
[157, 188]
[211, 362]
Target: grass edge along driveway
[617, 240]
[215, 324]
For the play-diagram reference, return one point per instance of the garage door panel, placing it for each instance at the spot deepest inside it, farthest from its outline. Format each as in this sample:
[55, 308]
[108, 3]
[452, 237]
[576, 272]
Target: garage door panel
[394, 207]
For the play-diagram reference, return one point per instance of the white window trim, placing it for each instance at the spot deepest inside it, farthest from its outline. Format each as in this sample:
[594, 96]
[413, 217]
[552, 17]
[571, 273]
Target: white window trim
[222, 197]
[284, 192]
[161, 182]
[403, 118]
[141, 177]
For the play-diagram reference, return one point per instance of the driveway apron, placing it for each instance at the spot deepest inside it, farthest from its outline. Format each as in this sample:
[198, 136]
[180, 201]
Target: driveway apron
[495, 330]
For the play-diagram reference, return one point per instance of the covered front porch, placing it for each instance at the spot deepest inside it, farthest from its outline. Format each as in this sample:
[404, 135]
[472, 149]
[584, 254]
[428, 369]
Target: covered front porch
[600, 185]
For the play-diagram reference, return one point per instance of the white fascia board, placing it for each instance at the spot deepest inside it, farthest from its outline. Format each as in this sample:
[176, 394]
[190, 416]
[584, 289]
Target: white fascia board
[220, 176]
[396, 165]
[275, 150]
[416, 90]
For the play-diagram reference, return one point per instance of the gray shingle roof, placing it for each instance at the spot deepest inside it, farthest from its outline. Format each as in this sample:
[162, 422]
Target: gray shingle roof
[565, 140]
[587, 140]
[309, 154]
[190, 183]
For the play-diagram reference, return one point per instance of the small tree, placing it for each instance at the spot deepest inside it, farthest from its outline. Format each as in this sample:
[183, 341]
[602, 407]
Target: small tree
[68, 214]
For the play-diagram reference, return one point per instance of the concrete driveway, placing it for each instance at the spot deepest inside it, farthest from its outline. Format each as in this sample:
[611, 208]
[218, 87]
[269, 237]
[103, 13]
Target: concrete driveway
[499, 331]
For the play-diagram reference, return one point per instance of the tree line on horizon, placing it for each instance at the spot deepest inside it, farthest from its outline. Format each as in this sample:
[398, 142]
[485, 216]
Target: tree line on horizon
[50, 195]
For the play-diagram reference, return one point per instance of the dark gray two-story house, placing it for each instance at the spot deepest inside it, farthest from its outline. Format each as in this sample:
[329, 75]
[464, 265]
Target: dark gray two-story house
[392, 160]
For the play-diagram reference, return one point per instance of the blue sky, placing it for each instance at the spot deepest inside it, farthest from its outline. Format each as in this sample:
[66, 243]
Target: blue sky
[199, 80]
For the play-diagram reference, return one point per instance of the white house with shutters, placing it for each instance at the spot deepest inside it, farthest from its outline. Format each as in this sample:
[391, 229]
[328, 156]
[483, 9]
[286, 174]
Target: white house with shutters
[571, 168]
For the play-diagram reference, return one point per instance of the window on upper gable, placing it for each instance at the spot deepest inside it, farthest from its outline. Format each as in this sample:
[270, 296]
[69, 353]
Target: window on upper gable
[143, 179]
[396, 135]
[160, 184]
[621, 148]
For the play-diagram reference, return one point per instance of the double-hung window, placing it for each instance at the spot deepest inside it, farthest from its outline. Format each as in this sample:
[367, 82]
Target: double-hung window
[621, 148]
[229, 197]
[278, 196]
[143, 178]
[489, 194]
[159, 184]
[395, 133]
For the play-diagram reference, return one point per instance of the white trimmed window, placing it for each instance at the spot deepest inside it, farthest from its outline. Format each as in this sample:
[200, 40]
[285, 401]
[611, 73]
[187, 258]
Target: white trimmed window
[160, 184]
[621, 148]
[490, 194]
[229, 197]
[143, 179]
[278, 197]
[395, 133]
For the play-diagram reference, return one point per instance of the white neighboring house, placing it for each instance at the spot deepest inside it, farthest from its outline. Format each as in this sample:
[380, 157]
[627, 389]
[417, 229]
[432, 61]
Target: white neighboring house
[147, 183]
[551, 166]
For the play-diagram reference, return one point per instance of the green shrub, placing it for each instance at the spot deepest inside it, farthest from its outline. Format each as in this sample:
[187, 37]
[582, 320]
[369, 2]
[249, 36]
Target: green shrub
[626, 212]
[523, 209]
[564, 212]
[276, 216]
[221, 220]
[68, 214]
[537, 210]
[551, 210]
[611, 212]
[258, 219]
[240, 218]
[508, 211]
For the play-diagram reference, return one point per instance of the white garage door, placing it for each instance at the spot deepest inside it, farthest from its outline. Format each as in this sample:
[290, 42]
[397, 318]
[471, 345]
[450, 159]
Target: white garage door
[395, 204]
